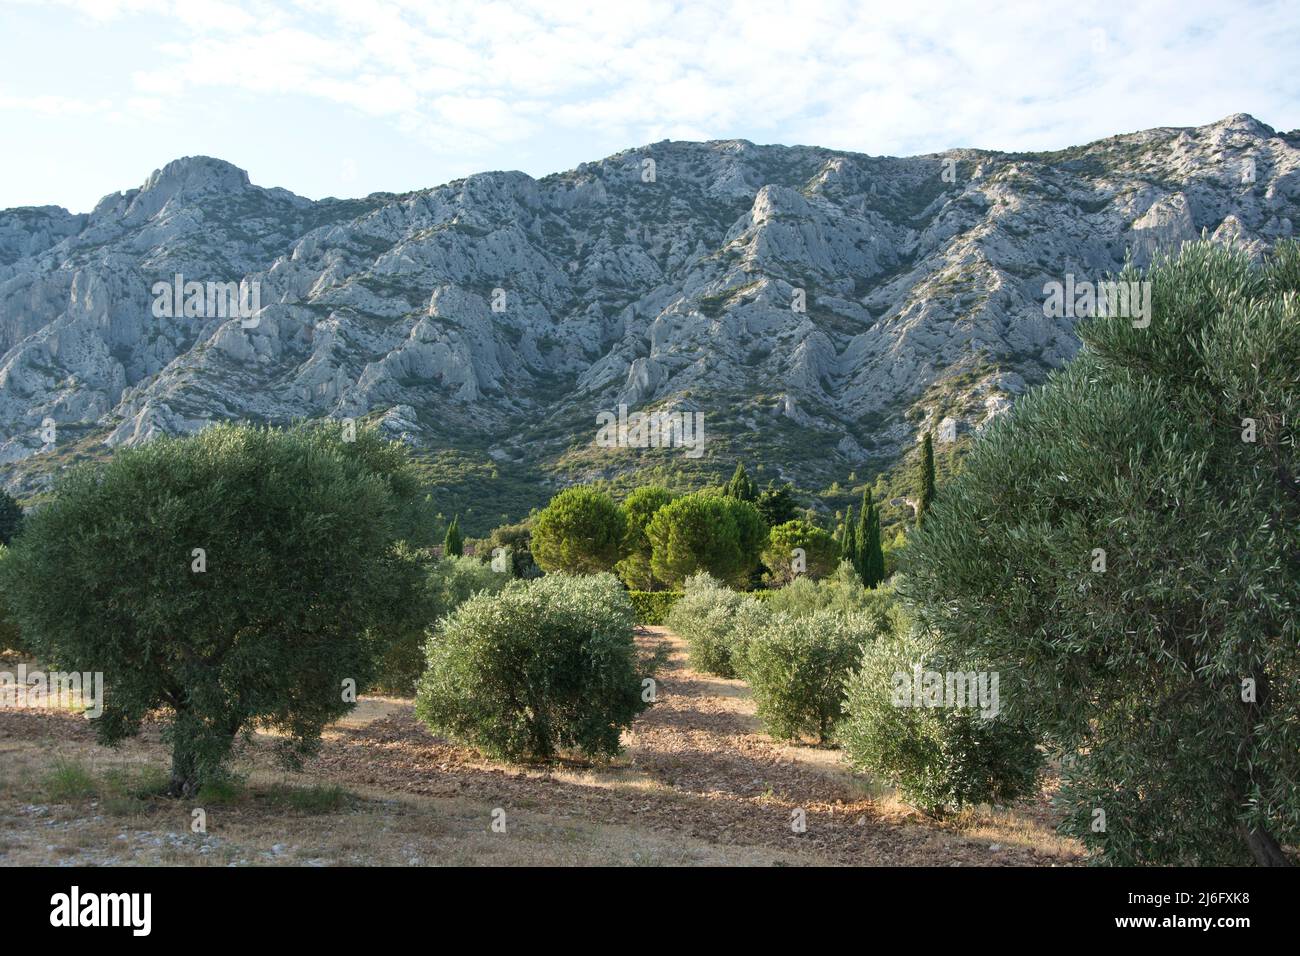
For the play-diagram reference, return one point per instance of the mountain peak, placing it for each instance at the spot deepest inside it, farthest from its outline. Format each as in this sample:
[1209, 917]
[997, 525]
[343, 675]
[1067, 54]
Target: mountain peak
[1244, 122]
[197, 174]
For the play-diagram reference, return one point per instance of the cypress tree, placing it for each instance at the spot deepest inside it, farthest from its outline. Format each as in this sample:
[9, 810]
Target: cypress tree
[926, 476]
[850, 550]
[741, 486]
[874, 562]
[863, 538]
[453, 543]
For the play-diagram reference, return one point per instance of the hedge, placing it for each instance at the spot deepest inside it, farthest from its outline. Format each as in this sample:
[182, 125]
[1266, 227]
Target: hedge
[652, 607]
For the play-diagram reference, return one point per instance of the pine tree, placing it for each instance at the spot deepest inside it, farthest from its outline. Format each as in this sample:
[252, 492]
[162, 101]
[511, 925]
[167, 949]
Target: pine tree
[926, 479]
[453, 544]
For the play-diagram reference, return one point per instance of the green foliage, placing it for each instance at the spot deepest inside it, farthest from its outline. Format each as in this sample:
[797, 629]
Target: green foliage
[869, 560]
[891, 553]
[9, 636]
[638, 509]
[579, 532]
[938, 757]
[925, 479]
[777, 504]
[849, 539]
[302, 573]
[714, 620]
[841, 590]
[543, 665]
[796, 666]
[652, 607]
[1170, 681]
[453, 545]
[11, 517]
[821, 553]
[706, 532]
[449, 583]
[68, 780]
[741, 486]
[516, 541]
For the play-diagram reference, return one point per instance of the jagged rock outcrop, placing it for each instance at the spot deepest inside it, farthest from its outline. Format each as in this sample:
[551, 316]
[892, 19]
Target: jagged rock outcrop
[833, 299]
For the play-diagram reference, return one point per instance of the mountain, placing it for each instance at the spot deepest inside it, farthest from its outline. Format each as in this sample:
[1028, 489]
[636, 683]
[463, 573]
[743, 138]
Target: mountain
[490, 321]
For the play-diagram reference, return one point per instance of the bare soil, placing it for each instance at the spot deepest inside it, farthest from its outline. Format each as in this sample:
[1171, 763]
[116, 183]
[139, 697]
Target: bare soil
[698, 784]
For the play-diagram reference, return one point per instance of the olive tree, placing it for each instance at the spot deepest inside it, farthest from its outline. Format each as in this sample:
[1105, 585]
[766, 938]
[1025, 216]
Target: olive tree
[542, 666]
[235, 578]
[1126, 542]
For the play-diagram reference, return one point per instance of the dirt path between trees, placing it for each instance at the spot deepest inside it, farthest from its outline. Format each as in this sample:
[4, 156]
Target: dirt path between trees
[697, 764]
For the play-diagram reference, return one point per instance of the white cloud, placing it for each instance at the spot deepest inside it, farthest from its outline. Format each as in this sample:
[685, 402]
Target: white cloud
[496, 80]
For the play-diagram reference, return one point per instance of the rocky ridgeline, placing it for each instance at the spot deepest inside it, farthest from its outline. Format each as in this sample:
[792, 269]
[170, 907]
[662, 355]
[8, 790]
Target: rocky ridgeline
[833, 304]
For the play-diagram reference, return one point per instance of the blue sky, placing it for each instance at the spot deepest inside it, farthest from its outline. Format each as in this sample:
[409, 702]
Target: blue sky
[355, 96]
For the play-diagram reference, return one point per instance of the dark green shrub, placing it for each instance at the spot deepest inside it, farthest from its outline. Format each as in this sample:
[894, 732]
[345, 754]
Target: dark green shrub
[11, 517]
[9, 637]
[541, 666]
[450, 582]
[652, 607]
[515, 542]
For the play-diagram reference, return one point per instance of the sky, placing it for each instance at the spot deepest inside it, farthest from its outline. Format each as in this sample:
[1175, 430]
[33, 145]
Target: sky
[348, 97]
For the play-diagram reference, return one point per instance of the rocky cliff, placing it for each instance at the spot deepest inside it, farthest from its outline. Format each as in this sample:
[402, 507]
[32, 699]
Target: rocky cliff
[821, 308]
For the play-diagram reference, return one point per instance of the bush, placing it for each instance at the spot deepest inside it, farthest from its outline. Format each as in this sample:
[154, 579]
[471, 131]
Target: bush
[709, 617]
[542, 665]
[841, 591]
[449, 583]
[579, 532]
[291, 595]
[938, 757]
[1124, 540]
[652, 607]
[514, 540]
[796, 667]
